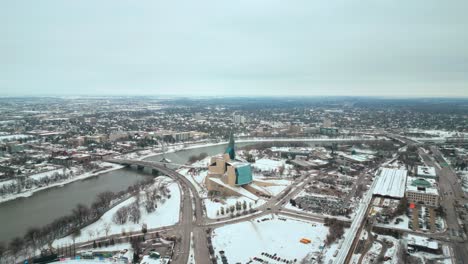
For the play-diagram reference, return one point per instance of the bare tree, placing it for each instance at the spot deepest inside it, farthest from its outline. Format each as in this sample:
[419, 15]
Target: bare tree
[81, 213]
[16, 246]
[144, 229]
[107, 228]
[120, 217]
[90, 233]
[2, 251]
[281, 170]
[32, 237]
[76, 233]
[134, 213]
[98, 232]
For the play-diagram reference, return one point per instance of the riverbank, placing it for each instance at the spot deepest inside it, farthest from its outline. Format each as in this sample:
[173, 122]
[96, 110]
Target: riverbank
[172, 149]
[27, 193]
[195, 145]
[167, 213]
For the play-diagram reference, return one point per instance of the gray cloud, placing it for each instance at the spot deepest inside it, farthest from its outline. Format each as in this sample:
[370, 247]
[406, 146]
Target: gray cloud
[259, 47]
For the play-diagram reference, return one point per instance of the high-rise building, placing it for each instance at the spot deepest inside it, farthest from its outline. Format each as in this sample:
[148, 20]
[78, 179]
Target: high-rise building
[238, 119]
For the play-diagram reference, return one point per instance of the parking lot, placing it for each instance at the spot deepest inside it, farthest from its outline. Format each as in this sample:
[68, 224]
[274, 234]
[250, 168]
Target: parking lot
[424, 219]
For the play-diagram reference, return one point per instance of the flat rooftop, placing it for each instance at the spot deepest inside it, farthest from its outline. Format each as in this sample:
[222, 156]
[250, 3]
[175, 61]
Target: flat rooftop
[391, 183]
[421, 185]
[426, 171]
[422, 242]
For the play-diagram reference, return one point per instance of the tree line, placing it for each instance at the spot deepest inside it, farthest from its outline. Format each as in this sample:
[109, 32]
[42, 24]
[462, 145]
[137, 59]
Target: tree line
[81, 216]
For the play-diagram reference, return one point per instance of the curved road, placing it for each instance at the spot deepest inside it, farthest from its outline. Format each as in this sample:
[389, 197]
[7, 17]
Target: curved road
[193, 219]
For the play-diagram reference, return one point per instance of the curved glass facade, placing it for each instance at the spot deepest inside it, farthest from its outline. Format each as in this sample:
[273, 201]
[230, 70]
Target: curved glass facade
[243, 174]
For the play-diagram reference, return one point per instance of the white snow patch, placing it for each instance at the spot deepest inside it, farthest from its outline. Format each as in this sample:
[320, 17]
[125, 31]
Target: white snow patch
[243, 241]
[166, 214]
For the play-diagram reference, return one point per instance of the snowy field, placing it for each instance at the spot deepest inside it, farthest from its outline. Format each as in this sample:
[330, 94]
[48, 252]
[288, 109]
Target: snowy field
[166, 214]
[265, 164]
[212, 207]
[278, 234]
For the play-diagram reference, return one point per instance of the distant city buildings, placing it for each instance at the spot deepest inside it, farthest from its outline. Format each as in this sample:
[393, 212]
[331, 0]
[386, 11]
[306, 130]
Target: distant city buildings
[238, 119]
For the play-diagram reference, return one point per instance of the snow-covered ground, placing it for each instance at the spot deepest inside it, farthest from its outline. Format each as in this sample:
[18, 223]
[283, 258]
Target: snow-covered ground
[41, 175]
[166, 214]
[213, 207]
[111, 248]
[265, 164]
[27, 193]
[391, 250]
[147, 260]
[445, 258]
[403, 225]
[439, 133]
[197, 178]
[5, 138]
[125, 253]
[272, 234]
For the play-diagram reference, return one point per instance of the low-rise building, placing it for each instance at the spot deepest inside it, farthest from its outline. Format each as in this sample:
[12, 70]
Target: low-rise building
[418, 243]
[95, 139]
[422, 191]
[331, 131]
[391, 183]
[81, 158]
[63, 161]
[426, 172]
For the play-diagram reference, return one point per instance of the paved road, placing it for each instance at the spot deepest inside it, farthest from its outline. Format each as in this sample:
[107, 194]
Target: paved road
[191, 214]
[450, 191]
[193, 220]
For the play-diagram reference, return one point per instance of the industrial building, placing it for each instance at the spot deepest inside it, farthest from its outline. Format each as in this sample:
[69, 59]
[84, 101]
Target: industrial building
[391, 183]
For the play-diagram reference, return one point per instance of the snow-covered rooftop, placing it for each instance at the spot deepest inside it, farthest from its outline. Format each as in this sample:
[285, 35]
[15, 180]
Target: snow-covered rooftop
[391, 183]
[426, 171]
[239, 190]
[422, 242]
[420, 185]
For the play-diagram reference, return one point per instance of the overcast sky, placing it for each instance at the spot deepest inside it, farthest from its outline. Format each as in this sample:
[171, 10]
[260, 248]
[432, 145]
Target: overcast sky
[242, 47]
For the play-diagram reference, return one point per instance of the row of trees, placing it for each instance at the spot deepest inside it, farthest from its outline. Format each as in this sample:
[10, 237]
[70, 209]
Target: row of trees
[237, 207]
[82, 215]
[151, 196]
[24, 182]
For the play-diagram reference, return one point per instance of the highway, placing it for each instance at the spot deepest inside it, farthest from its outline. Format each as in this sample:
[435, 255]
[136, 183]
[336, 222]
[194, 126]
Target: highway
[194, 220]
[450, 191]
